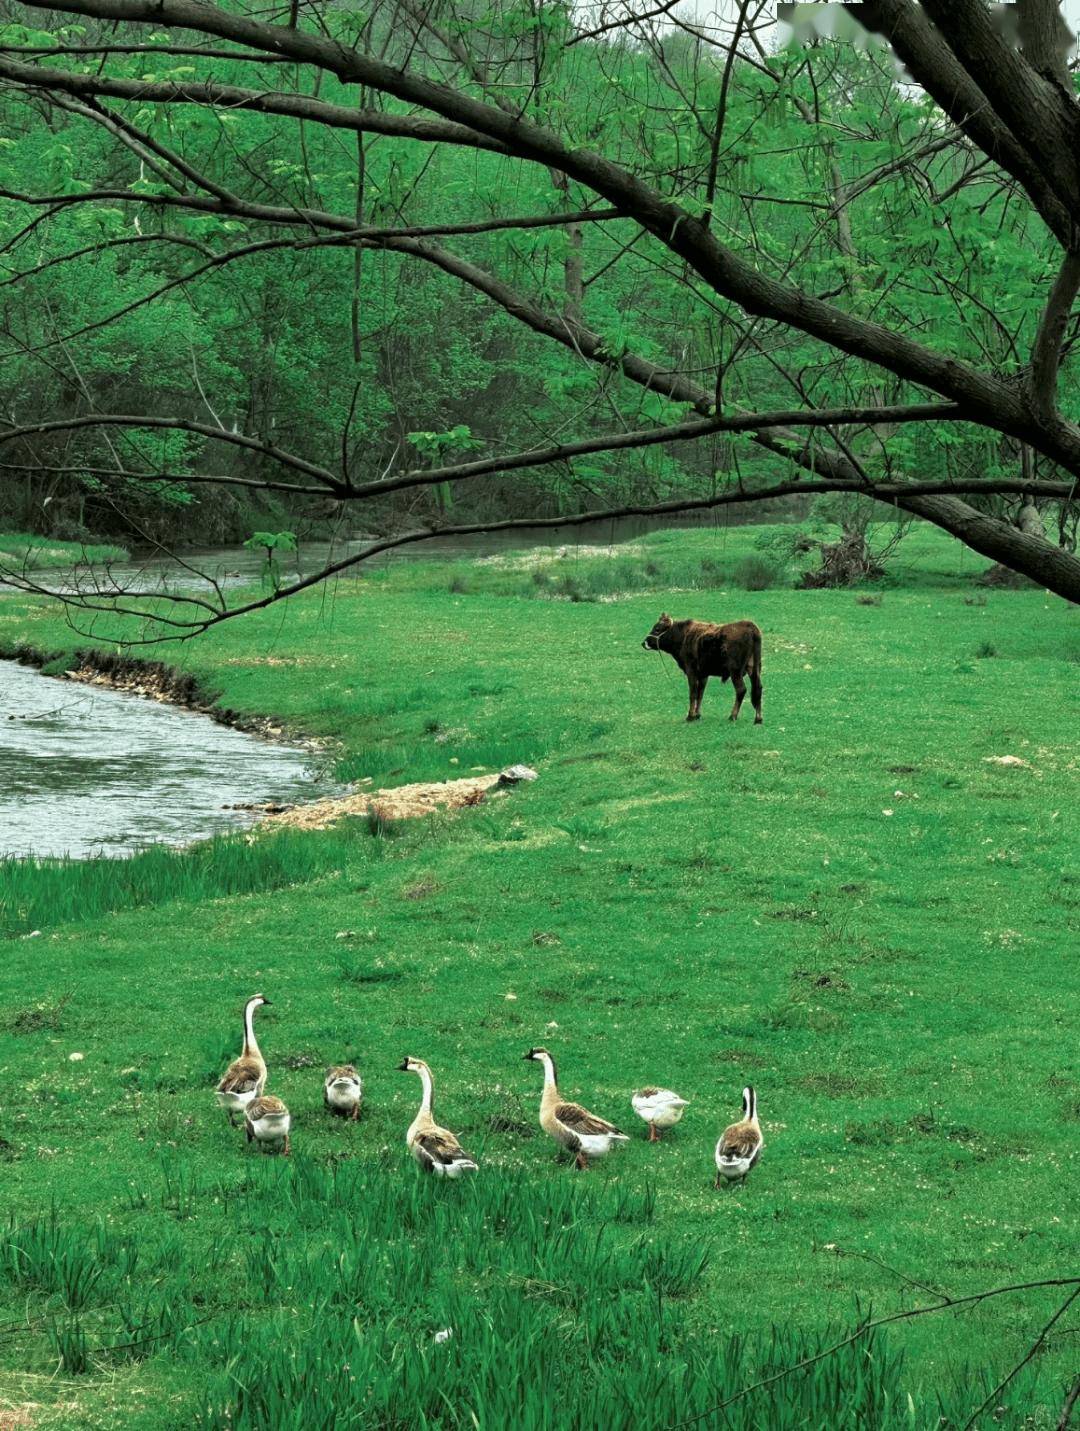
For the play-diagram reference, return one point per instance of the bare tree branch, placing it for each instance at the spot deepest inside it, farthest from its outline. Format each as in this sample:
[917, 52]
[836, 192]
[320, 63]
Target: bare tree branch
[182, 424]
[728, 274]
[1046, 354]
[230, 97]
[945, 1305]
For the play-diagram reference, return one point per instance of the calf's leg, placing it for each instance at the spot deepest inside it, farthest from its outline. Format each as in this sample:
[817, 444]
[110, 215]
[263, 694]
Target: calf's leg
[697, 686]
[740, 695]
[755, 697]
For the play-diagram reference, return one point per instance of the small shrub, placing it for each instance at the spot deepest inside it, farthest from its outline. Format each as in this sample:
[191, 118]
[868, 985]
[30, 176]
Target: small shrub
[355, 973]
[867, 600]
[458, 586]
[711, 572]
[979, 600]
[986, 649]
[571, 589]
[380, 827]
[755, 573]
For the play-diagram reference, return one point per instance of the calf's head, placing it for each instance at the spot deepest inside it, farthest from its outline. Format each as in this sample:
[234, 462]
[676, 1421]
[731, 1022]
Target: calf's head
[653, 641]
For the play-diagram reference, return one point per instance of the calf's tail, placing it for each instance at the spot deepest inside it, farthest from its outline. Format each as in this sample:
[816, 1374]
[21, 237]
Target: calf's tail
[755, 659]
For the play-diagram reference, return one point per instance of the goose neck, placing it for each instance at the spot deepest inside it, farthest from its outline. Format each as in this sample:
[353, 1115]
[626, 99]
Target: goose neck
[550, 1084]
[251, 1047]
[427, 1088]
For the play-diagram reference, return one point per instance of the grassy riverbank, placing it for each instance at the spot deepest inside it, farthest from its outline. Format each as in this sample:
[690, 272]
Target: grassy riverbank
[21, 551]
[857, 907]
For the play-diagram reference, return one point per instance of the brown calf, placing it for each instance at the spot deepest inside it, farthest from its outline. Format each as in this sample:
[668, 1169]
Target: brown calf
[703, 649]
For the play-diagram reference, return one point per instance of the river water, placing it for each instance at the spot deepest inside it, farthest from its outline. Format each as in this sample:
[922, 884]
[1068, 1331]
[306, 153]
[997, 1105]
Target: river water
[233, 566]
[89, 771]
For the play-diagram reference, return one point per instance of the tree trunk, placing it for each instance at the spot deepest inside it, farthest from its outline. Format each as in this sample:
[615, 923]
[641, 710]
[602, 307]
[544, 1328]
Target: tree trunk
[1034, 557]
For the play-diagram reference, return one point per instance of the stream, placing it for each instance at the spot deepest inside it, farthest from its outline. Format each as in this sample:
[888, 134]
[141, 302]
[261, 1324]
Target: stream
[89, 771]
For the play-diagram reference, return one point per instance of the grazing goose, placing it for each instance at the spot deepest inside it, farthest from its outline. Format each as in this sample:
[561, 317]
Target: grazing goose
[245, 1077]
[343, 1091]
[434, 1148]
[740, 1145]
[659, 1107]
[579, 1131]
[267, 1121]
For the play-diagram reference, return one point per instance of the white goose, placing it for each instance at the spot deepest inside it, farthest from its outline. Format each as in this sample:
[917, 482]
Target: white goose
[267, 1120]
[343, 1091]
[659, 1107]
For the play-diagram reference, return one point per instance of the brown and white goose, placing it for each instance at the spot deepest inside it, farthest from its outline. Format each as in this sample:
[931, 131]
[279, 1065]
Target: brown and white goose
[579, 1131]
[343, 1091]
[740, 1145]
[245, 1077]
[267, 1121]
[434, 1148]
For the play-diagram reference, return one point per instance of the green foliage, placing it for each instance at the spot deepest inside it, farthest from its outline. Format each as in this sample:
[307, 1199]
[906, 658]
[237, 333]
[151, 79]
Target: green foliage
[25, 552]
[272, 544]
[266, 344]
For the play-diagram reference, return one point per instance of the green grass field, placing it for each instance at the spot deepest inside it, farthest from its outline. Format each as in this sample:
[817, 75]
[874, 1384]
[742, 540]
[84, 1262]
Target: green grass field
[854, 907]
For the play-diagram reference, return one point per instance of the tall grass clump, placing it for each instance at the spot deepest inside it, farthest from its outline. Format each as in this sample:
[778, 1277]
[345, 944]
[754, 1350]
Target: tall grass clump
[756, 573]
[392, 1301]
[40, 893]
[396, 1302]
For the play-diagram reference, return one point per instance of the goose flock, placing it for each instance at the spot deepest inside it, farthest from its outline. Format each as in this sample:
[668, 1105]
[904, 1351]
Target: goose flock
[585, 1135]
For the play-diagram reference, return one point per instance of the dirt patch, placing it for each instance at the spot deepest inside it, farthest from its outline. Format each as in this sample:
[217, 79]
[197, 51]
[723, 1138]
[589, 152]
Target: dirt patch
[399, 802]
[17, 1417]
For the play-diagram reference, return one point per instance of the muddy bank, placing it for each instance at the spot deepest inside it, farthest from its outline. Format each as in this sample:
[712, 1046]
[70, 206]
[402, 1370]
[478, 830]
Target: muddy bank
[155, 681]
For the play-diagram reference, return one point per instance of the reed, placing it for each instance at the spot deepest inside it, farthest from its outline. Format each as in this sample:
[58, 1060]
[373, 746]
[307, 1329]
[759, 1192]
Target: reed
[333, 1323]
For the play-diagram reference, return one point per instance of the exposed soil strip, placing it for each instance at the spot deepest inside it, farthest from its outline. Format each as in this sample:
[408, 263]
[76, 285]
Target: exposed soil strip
[399, 802]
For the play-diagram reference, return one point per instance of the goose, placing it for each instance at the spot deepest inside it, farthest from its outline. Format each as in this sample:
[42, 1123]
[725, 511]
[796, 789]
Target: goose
[267, 1121]
[434, 1148]
[579, 1131]
[659, 1107]
[343, 1091]
[245, 1077]
[740, 1145]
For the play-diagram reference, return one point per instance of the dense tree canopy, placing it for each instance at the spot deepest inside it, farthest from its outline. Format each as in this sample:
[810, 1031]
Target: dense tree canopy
[464, 264]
